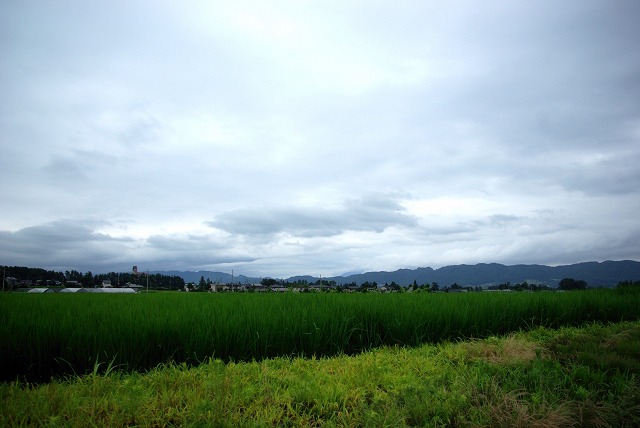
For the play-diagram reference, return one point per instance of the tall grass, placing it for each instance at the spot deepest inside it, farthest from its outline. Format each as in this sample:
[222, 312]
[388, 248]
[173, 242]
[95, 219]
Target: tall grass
[46, 335]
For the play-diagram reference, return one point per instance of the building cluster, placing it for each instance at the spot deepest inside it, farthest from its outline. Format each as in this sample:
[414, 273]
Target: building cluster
[311, 288]
[122, 290]
[48, 286]
[27, 283]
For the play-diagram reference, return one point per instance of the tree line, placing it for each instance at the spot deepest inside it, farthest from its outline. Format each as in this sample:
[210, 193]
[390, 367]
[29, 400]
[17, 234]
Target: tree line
[19, 276]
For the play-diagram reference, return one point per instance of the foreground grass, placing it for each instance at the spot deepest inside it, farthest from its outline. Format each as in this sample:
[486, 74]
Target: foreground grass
[585, 376]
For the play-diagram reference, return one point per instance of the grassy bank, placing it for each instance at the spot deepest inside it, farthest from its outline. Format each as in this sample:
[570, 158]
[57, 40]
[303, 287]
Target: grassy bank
[47, 335]
[570, 377]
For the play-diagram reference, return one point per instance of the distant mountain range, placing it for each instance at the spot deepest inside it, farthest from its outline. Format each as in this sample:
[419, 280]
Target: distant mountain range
[216, 277]
[606, 274]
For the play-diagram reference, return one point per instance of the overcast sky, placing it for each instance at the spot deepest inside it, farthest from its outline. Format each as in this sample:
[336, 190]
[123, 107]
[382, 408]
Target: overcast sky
[278, 138]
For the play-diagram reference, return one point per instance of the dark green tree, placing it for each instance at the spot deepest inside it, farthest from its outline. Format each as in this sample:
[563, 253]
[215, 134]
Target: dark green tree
[628, 287]
[572, 284]
[268, 282]
[87, 280]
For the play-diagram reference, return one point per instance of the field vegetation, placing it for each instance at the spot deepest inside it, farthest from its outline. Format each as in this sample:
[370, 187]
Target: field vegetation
[566, 377]
[53, 335]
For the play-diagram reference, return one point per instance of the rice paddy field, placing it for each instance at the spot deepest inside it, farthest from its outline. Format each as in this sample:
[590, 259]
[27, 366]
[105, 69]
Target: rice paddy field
[45, 336]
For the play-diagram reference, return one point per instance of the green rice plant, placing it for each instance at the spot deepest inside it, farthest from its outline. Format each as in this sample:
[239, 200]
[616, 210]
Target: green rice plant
[44, 335]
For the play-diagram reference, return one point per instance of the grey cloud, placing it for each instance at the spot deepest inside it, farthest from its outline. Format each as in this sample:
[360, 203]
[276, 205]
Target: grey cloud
[61, 244]
[500, 220]
[182, 243]
[66, 168]
[78, 165]
[371, 214]
[64, 230]
[141, 129]
[190, 260]
[617, 174]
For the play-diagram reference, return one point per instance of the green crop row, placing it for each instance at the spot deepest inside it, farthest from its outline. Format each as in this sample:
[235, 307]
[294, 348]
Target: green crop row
[47, 335]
